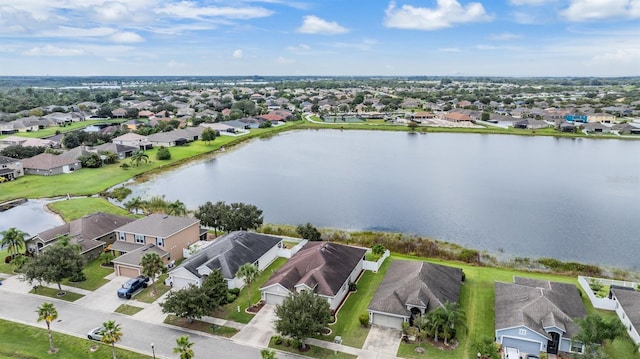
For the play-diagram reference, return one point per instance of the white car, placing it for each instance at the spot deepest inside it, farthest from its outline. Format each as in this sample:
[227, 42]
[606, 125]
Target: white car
[95, 334]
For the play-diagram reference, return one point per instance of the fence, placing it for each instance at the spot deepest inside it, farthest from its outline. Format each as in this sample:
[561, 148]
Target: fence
[602, 303]
[289, 252]
[374, 266]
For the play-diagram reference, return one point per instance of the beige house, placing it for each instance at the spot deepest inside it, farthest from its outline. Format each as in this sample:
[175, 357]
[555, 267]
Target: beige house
[133, 140]
[158, 233]
[10, 168]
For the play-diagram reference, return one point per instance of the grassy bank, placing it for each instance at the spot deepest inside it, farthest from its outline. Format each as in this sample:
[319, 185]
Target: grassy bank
[76, 208]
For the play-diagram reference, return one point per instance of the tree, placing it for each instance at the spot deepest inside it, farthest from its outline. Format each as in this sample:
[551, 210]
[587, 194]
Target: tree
[183, 347]
[111, 334]
[54, 264]
[412, 125]
[208, 135]
[308, 231]
[91, 160]
[453, 315]
[594, 330]
[378, 250]
[152, 265]
[248, 272]
[134, 204]
[436, 321]
[163, 154]
[177, 208]
[139, 156]
[211, 215]
[13, 239]
[48, 313]
[301, 315]
[486, 346]
[242, 217]
[189, 303]
[216, 290]
[486, 116]
[268, 354]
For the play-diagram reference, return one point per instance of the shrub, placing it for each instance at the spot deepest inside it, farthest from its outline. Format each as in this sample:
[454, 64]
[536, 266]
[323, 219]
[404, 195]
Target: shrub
[163, 154]
[231, 297]
[124, 166]
[353, 286]
[8, 259]
[277, 340]
[235, 291]
[78, 277]
[364, 320]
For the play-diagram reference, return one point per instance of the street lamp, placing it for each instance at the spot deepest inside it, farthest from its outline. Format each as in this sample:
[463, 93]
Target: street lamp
[153, 351]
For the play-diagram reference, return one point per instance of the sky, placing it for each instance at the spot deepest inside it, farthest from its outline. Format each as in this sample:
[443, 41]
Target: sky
[320, 37]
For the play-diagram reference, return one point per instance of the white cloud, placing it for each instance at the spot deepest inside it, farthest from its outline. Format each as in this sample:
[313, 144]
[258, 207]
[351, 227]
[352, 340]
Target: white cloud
[449, 49]
[585, 10]
[237, 54]
[445, 14]
[486, 47]
[50, 50]
[299, 48]
[314, 25]
[126, 37]
[191, 10]
[364, 45]
[505, 36]
[530, 2]
[113, 11]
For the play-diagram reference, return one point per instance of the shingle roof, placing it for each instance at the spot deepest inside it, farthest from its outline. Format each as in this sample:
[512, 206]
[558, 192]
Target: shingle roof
[158, 225]
[7, 160]
[538, 304]
[630, 302]
[324, 266]
[419, 284]
[133, 258]
[229, 252]
[46, 161]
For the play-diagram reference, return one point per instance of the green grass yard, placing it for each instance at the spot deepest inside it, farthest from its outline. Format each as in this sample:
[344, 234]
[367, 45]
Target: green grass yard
[5, 267]
[76, 208]
[314, 352]
[127, 309]
[201, 326]
[28, 342]
[95, 274]
[53, 293]
[148, 295]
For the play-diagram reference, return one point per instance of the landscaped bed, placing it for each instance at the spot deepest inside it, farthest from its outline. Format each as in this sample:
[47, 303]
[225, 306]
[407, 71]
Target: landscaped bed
[55, 293]
[311, 351]
[201, 326]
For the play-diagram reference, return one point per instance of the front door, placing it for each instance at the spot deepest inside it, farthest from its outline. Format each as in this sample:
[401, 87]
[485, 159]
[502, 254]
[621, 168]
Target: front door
[553, 344]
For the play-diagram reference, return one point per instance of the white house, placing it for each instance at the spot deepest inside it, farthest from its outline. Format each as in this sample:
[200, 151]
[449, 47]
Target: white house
[628, 310]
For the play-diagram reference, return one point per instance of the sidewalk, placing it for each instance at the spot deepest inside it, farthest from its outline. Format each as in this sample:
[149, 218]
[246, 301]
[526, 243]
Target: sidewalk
[14, 284]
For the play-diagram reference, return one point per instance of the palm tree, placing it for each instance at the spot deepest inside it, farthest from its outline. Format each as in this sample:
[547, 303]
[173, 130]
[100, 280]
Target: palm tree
[249, 272]
[134, 204]
[183, 347]
[13, 239]
[152, 265]
[177, 208]
[452, 315]
[436, 320]
[139, 156]
[48, 313]
[111, 333]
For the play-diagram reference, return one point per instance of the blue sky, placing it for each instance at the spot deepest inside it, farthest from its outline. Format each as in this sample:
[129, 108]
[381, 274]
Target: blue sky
[320, 37]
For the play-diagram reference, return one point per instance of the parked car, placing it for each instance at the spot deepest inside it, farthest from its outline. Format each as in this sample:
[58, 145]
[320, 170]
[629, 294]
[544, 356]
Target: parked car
[95, 334]
[131, 286]
[531, 356]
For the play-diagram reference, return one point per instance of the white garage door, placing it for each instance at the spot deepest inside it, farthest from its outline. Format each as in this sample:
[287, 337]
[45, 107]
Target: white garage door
[387, 321]
[523, 345]
[273, 298]
[180, 282]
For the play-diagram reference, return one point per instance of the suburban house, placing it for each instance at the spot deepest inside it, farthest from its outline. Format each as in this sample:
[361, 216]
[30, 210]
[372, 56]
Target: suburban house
[26, 141]
[227, 254]
[628, 310]
[596, 127]
[10, 168]
[177, 137]
[457, 117]
[325, 268]
[159, 233]
[122, 151]
[537, 316]
[133, 140]
[410, 289]
[119, 113]
[530, 123]
[47, 164]
[92, 233]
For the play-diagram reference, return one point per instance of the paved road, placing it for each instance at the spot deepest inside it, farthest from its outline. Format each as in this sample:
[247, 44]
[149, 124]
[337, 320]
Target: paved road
[138, 335]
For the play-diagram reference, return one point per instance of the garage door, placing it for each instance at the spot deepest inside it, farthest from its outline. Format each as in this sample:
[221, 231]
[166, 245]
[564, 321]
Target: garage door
[127, 271]
[180, 282]
[523, 345]
[274, 298]
[387, 321]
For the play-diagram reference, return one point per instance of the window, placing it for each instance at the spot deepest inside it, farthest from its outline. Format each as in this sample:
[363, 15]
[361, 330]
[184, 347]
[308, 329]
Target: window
[139, 238]
[522, 332]
[576, 347]
[160, 242]
[122, 236]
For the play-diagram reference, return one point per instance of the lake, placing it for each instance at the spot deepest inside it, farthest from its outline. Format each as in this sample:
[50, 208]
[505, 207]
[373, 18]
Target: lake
[571, 199]
[29, 217]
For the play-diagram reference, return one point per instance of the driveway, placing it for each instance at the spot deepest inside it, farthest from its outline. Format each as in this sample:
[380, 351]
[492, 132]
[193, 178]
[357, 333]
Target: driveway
[260, 329]
[382, 340]
[106, 299]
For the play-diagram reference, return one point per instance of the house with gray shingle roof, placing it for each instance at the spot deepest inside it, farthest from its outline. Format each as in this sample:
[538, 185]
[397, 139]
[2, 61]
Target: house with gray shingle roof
[10, 168]
[227, 254]
[538, 316]
[325, 268]
[47, 164]
[410, 289]
[628, 310]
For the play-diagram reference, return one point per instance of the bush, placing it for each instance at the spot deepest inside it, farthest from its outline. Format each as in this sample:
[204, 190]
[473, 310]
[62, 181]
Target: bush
[78, 277]
[163, 154]
[364, 320]
[8, 259]
[124, 166]
[235, 291]
[353, 286]
[231, 297]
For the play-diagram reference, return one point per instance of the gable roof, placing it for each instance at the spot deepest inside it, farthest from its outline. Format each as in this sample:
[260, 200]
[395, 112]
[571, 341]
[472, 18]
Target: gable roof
[630, 302]
[229, 252]
[131, 136]
[7, 160]
[86, 230]
[538, 304]
[418, 284]
[323, 266]
[159, 225]
[46, 161]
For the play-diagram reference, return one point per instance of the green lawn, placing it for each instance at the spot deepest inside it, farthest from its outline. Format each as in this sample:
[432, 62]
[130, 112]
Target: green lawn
[53, 293]
[201, 326]
[314, 352]
[95, 274]
[127, 309]
[148, 295]
[50, 131]
[4, 267]
[347, 325]
[76, 208]
[230, 311]
[27, 342]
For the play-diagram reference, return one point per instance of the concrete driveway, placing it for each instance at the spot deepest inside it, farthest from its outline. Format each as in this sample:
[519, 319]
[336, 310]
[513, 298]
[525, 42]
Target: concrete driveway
[382, 340]
[260, 329]
[106, 299]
